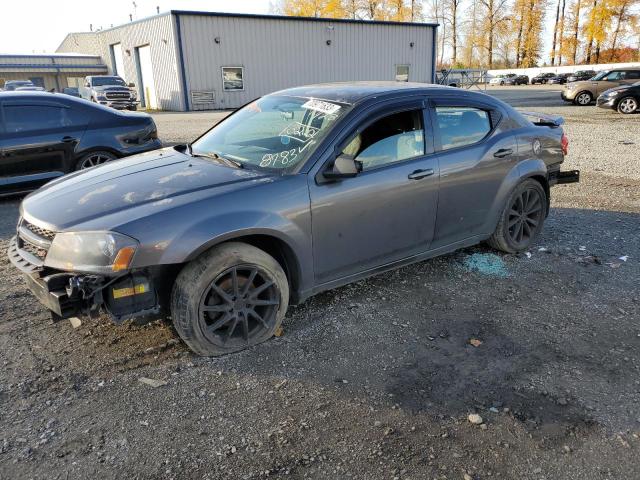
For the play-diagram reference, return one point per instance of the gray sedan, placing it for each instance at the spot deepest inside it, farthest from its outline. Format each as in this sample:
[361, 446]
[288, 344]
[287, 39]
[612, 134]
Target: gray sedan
[298, 192]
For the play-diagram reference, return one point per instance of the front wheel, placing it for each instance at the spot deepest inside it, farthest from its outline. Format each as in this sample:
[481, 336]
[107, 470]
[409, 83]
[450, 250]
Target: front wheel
[583, 98]
[230, 298]
[628, 105]
[522, 218]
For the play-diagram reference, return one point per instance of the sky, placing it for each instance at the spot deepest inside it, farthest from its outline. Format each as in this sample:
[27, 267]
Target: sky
[39, 26]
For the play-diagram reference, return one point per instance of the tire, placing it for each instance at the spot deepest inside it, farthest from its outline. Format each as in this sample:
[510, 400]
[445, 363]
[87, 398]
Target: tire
[505, 236]
[501, 83]
[236, 319]
[628, 105]
[583, 98]
[93, 159]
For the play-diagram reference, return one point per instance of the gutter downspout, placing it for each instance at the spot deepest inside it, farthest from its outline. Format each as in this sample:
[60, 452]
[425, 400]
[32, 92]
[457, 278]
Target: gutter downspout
[434, 53]
[185, 88]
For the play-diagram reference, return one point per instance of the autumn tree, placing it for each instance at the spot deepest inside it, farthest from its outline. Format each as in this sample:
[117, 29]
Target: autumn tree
[313, 8]
[494, 16]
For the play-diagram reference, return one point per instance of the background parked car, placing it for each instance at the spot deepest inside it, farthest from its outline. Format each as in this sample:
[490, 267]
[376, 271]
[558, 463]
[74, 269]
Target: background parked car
[501, 79]
[581, 75]
[11, 85]
[625, 98]
[583, 93]
[45, 135]
[559, 79]
[73, 91]
[109, 90]
[516, 80]
[29, 88]
[542, 78]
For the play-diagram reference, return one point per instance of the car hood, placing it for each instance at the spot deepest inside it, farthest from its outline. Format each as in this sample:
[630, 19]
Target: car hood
[156, 177]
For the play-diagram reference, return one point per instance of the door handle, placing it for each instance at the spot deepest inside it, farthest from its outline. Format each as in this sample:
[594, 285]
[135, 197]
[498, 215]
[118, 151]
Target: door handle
[418, 174]
[503, 152]
[68, 139]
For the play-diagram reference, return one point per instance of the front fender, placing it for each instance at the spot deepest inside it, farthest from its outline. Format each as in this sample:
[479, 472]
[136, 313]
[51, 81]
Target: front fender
[175, 231]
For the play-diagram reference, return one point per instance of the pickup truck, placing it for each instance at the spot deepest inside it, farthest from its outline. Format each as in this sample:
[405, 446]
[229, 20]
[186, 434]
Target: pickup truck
[109, 90]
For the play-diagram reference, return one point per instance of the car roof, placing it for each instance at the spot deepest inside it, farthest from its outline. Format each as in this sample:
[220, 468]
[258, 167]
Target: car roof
[353, 92]
[27, 94]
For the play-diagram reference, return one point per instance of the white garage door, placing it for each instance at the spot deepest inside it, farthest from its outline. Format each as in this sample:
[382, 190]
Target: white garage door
[147, 86]
[118, 60]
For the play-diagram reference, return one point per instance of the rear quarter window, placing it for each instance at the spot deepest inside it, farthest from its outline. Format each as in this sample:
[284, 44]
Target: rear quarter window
[460, 126]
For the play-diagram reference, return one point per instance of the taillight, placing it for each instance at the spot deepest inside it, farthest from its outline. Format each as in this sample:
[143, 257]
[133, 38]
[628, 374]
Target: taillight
[565, 144]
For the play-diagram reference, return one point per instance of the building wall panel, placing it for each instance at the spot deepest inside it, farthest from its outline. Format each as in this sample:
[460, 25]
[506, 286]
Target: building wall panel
[159, 33]
[278, 53]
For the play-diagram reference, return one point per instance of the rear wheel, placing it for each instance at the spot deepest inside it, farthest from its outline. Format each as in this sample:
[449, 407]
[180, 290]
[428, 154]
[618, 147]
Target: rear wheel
[522, 218]
[628, 105]
[228, 299]
[93, 159]
[583, 98]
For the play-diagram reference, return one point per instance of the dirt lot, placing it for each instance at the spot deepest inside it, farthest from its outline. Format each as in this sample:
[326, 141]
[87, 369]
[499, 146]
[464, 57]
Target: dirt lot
[374, 380]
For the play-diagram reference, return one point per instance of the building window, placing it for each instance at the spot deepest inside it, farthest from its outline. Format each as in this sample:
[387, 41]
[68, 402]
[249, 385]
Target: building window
[402, 73]
[232, 79]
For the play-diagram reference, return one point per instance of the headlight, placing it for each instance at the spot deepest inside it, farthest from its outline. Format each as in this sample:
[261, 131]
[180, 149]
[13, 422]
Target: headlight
[613, 93]
[91, 252]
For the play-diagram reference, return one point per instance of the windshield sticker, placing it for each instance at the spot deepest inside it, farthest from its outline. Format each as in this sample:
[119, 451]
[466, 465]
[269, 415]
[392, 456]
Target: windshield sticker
[299, 132]
[319, 106]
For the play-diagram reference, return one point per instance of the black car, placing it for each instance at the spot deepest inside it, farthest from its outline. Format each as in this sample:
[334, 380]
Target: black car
[581, 75]
[625, 98]
[517, 80]
[542, 78]
[559, 79]
[45, 135]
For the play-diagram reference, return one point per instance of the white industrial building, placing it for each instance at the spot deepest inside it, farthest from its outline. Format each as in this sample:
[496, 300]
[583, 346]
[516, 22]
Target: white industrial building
[183, 60]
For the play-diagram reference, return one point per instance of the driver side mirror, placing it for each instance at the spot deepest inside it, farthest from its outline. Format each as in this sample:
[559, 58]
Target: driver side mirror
[344, 166]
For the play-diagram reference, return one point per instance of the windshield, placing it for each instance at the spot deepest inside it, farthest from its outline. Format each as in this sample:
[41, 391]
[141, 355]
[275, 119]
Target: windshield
[601, 75]
[274, 132]
[102, 81]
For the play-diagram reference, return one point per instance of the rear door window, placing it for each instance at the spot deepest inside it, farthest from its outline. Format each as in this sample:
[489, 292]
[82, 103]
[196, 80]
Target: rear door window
[460, 126]
[33, 118]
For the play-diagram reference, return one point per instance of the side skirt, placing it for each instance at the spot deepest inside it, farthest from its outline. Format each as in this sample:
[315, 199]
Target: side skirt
[468, 242]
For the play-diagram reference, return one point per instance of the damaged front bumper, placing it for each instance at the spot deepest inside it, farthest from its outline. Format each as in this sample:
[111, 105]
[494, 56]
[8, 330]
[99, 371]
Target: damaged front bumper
[68, 294]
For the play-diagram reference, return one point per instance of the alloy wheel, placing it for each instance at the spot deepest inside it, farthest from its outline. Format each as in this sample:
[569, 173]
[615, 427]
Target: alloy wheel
[584, 99]
[628, 105]
[525, 216]
[238, 306]
[94, 160]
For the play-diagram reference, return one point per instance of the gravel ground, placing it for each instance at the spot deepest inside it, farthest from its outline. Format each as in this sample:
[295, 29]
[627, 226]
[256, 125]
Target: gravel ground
[375, 380]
